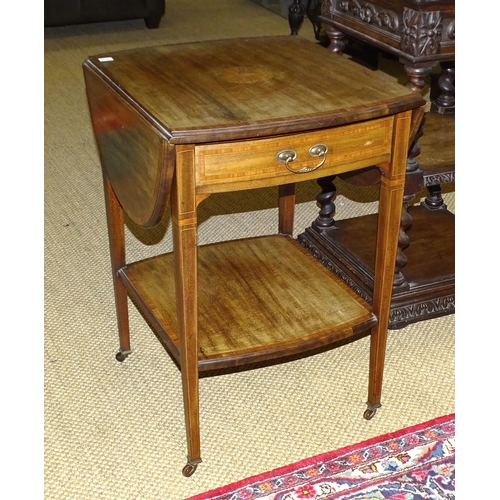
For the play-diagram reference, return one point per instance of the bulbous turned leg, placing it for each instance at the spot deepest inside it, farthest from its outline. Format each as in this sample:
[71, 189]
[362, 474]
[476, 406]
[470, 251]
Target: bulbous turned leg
[336, 40]
[434, 200]
[296, 14]
[418, 77]
[445, 102]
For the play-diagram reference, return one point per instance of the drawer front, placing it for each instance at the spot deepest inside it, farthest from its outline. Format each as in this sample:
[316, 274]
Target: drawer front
[247, 162]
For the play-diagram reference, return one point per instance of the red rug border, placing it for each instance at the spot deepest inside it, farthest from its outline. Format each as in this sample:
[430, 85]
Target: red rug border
[329, 455]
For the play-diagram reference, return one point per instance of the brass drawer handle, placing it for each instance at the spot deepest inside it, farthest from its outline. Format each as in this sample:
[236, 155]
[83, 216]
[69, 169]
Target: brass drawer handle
[288, 155]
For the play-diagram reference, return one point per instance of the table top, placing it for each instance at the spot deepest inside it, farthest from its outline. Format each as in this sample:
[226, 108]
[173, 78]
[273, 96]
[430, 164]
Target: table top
[247, 88]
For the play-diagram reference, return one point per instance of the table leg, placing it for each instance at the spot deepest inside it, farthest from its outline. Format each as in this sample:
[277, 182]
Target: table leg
[336, 38]
[116, 233]
[445, 102]
[184, 226]
[390, 206]
[414, 175]
[286, 208]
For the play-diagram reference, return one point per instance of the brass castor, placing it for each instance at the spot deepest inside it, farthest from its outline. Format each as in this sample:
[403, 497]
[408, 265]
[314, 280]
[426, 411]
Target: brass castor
[369, 413]
[121, 356]
[190, 468]
[371, 410]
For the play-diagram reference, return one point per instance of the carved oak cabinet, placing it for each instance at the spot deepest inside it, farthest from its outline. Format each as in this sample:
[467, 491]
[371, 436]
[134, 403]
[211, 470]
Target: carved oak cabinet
[175, 124]
[421, 35]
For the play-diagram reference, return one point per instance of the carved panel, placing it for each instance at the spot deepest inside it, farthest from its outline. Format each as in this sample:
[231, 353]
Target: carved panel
[365, 11]
[421, 33]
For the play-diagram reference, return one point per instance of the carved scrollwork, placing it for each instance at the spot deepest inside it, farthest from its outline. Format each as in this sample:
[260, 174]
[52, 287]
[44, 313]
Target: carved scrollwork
[412, 313]
[327, 8]
[331, 266]
[365, 11]
[436, 179]
[421, 35]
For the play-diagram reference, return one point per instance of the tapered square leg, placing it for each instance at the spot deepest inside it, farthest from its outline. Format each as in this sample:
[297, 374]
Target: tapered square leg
[116, 233]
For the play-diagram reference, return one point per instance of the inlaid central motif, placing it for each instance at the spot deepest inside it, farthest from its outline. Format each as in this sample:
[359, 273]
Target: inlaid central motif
[245, 74]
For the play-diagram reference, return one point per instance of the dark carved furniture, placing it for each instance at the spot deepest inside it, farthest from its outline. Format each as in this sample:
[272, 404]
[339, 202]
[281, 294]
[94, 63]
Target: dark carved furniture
[177, 123]
[66, 12]
[421, 34]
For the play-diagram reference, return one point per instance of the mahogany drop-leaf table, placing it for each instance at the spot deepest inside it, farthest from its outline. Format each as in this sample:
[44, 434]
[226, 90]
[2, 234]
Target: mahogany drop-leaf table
[176, 123]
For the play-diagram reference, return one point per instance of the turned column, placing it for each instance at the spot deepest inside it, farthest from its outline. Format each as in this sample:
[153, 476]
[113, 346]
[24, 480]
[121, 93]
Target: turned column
[417, 83]
[325, 199]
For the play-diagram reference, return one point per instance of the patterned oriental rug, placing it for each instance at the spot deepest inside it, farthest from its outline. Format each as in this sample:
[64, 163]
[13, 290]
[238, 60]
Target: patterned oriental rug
[415, 463]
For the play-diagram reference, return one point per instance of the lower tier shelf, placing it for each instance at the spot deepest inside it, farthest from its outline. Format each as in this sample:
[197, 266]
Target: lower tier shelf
[429, 290]
[258, 299]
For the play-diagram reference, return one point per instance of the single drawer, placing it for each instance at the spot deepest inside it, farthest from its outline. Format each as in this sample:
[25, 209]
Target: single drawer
[246, 162]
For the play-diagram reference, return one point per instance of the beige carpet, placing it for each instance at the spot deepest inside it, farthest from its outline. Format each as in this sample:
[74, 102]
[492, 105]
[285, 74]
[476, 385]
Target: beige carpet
[116, 430]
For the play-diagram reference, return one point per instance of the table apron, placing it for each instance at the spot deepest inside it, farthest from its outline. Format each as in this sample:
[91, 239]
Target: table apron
[254, 163]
